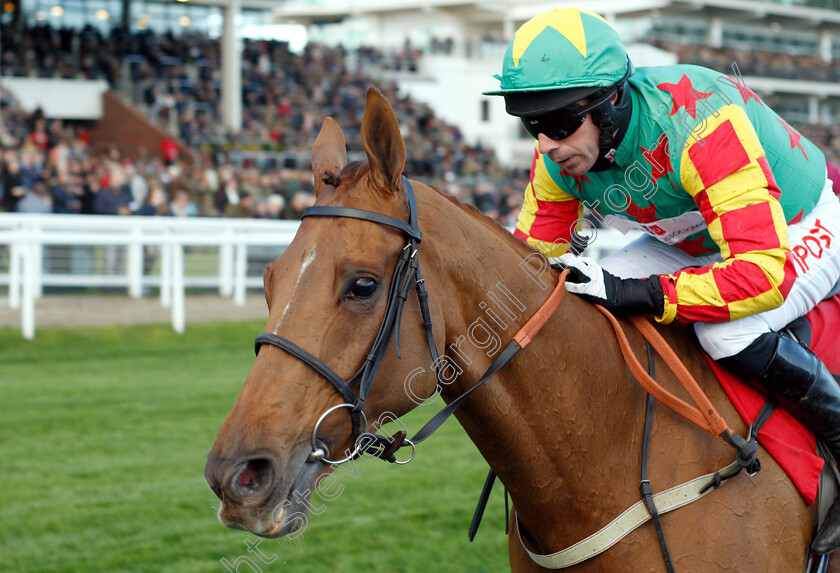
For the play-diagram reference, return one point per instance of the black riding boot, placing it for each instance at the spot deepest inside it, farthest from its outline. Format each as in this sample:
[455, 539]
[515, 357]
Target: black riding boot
[807, 390]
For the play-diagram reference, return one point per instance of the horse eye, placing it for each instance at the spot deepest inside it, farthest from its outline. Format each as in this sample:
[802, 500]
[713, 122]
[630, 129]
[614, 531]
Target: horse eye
[363, 288]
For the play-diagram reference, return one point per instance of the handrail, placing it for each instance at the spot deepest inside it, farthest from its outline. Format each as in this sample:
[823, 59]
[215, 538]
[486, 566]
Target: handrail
[27, 235]
[117, 222]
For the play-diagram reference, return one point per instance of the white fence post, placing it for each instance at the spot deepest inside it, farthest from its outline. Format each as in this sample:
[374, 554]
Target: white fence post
[178, 312]
[166, 249]
[134, 264]
[38, 262]
[30, 285]
[241, 274]
[15, 271]
[226, 266]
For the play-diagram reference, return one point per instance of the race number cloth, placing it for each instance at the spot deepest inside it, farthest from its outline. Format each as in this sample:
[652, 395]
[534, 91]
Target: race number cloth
[788, 441]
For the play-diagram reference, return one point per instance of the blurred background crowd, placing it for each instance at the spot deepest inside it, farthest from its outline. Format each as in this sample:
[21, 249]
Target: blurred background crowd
[204, 171]
[49, 165]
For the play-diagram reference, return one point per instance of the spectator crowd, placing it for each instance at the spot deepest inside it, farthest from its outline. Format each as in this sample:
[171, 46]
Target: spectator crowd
[176, 82]
[48, 166]
[753, 62]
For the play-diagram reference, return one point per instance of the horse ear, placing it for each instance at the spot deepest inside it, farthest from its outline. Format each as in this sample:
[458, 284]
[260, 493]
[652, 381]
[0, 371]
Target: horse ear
[329, 155]
[382, 141]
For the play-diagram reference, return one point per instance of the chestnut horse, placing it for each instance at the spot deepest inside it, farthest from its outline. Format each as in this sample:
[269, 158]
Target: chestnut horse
[561, 424]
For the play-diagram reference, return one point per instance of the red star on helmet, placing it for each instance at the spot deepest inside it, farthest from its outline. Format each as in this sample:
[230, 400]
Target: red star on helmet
[794, 138]
[684, 94]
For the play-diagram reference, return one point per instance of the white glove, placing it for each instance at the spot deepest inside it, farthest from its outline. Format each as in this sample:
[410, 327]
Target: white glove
[621, 296]
[586, 277]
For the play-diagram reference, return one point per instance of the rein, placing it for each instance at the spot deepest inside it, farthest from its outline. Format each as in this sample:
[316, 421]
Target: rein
[706, 417]
[406, 273]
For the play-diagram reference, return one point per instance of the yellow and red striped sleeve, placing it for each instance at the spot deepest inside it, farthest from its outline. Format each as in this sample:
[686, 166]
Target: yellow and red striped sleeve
[726, 171]
[548, 212]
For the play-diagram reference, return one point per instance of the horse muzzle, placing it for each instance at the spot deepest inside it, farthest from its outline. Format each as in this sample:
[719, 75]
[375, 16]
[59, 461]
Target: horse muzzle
[257, 496]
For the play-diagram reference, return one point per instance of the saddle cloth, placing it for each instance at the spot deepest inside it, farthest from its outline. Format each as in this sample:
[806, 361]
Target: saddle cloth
[790, 443]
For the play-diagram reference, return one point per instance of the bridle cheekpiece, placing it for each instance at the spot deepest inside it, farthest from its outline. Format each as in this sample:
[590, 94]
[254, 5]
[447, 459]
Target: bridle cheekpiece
[406, 275]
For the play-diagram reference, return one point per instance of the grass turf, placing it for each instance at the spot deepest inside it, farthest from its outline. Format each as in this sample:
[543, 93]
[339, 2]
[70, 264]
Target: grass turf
[103, 438]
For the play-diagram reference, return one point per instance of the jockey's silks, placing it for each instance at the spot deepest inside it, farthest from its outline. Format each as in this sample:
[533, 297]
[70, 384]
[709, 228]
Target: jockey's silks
[705, 166]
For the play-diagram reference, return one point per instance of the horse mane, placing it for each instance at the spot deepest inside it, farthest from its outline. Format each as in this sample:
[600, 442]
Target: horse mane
[357, 169]
[485, 220]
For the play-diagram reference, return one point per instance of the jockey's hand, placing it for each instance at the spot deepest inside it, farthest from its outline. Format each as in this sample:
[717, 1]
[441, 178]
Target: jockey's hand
[619, 296]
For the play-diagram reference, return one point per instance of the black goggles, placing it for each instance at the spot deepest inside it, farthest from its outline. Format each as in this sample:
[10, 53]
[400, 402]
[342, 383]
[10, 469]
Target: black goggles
[556, 124]
[562, 122]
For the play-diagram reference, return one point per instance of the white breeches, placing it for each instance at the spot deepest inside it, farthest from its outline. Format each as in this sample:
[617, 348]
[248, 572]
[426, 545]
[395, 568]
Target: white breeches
[816, 252]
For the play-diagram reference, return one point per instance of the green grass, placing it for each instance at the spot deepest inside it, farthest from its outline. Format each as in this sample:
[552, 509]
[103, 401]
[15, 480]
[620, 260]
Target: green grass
[103, 438]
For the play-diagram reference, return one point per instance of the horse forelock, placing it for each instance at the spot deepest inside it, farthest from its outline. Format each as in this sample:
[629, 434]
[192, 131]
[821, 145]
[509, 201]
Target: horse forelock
[353, 171]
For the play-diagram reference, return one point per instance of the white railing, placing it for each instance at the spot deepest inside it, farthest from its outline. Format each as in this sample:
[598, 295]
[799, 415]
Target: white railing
[34, 242]
[29, 237]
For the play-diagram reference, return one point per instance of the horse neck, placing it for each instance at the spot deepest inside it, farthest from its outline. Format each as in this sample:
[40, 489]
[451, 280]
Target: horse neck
[534, 422]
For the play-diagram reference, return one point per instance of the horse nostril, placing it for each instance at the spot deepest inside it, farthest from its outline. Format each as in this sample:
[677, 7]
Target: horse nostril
[254, 476]
[211, 480]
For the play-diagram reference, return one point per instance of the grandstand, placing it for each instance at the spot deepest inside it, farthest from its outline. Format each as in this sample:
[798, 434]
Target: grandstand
[165, 100]
[786, 51]
[432, 59]
[137, 107]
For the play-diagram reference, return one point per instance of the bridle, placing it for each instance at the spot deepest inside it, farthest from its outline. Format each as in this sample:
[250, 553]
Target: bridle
[406, 274]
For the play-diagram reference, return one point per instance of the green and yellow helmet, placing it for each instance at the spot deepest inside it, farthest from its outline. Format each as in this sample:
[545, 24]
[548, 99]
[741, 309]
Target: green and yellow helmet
[558, 58]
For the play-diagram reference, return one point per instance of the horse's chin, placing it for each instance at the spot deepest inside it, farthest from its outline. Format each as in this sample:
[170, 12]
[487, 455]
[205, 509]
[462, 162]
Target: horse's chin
[287, 521]
[283, 513]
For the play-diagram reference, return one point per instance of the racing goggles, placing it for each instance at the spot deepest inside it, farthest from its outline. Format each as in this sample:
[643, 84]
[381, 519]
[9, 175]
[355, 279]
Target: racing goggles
[556, 124]
[562, 122]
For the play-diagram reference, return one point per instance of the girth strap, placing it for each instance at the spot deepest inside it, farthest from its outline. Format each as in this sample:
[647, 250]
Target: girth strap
[621, 526]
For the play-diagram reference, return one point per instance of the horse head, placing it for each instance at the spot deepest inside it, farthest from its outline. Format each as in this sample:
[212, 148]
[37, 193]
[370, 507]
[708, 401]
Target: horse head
[327, 294]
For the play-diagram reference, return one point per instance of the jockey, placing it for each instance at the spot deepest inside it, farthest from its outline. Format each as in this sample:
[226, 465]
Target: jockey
[742, 229]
